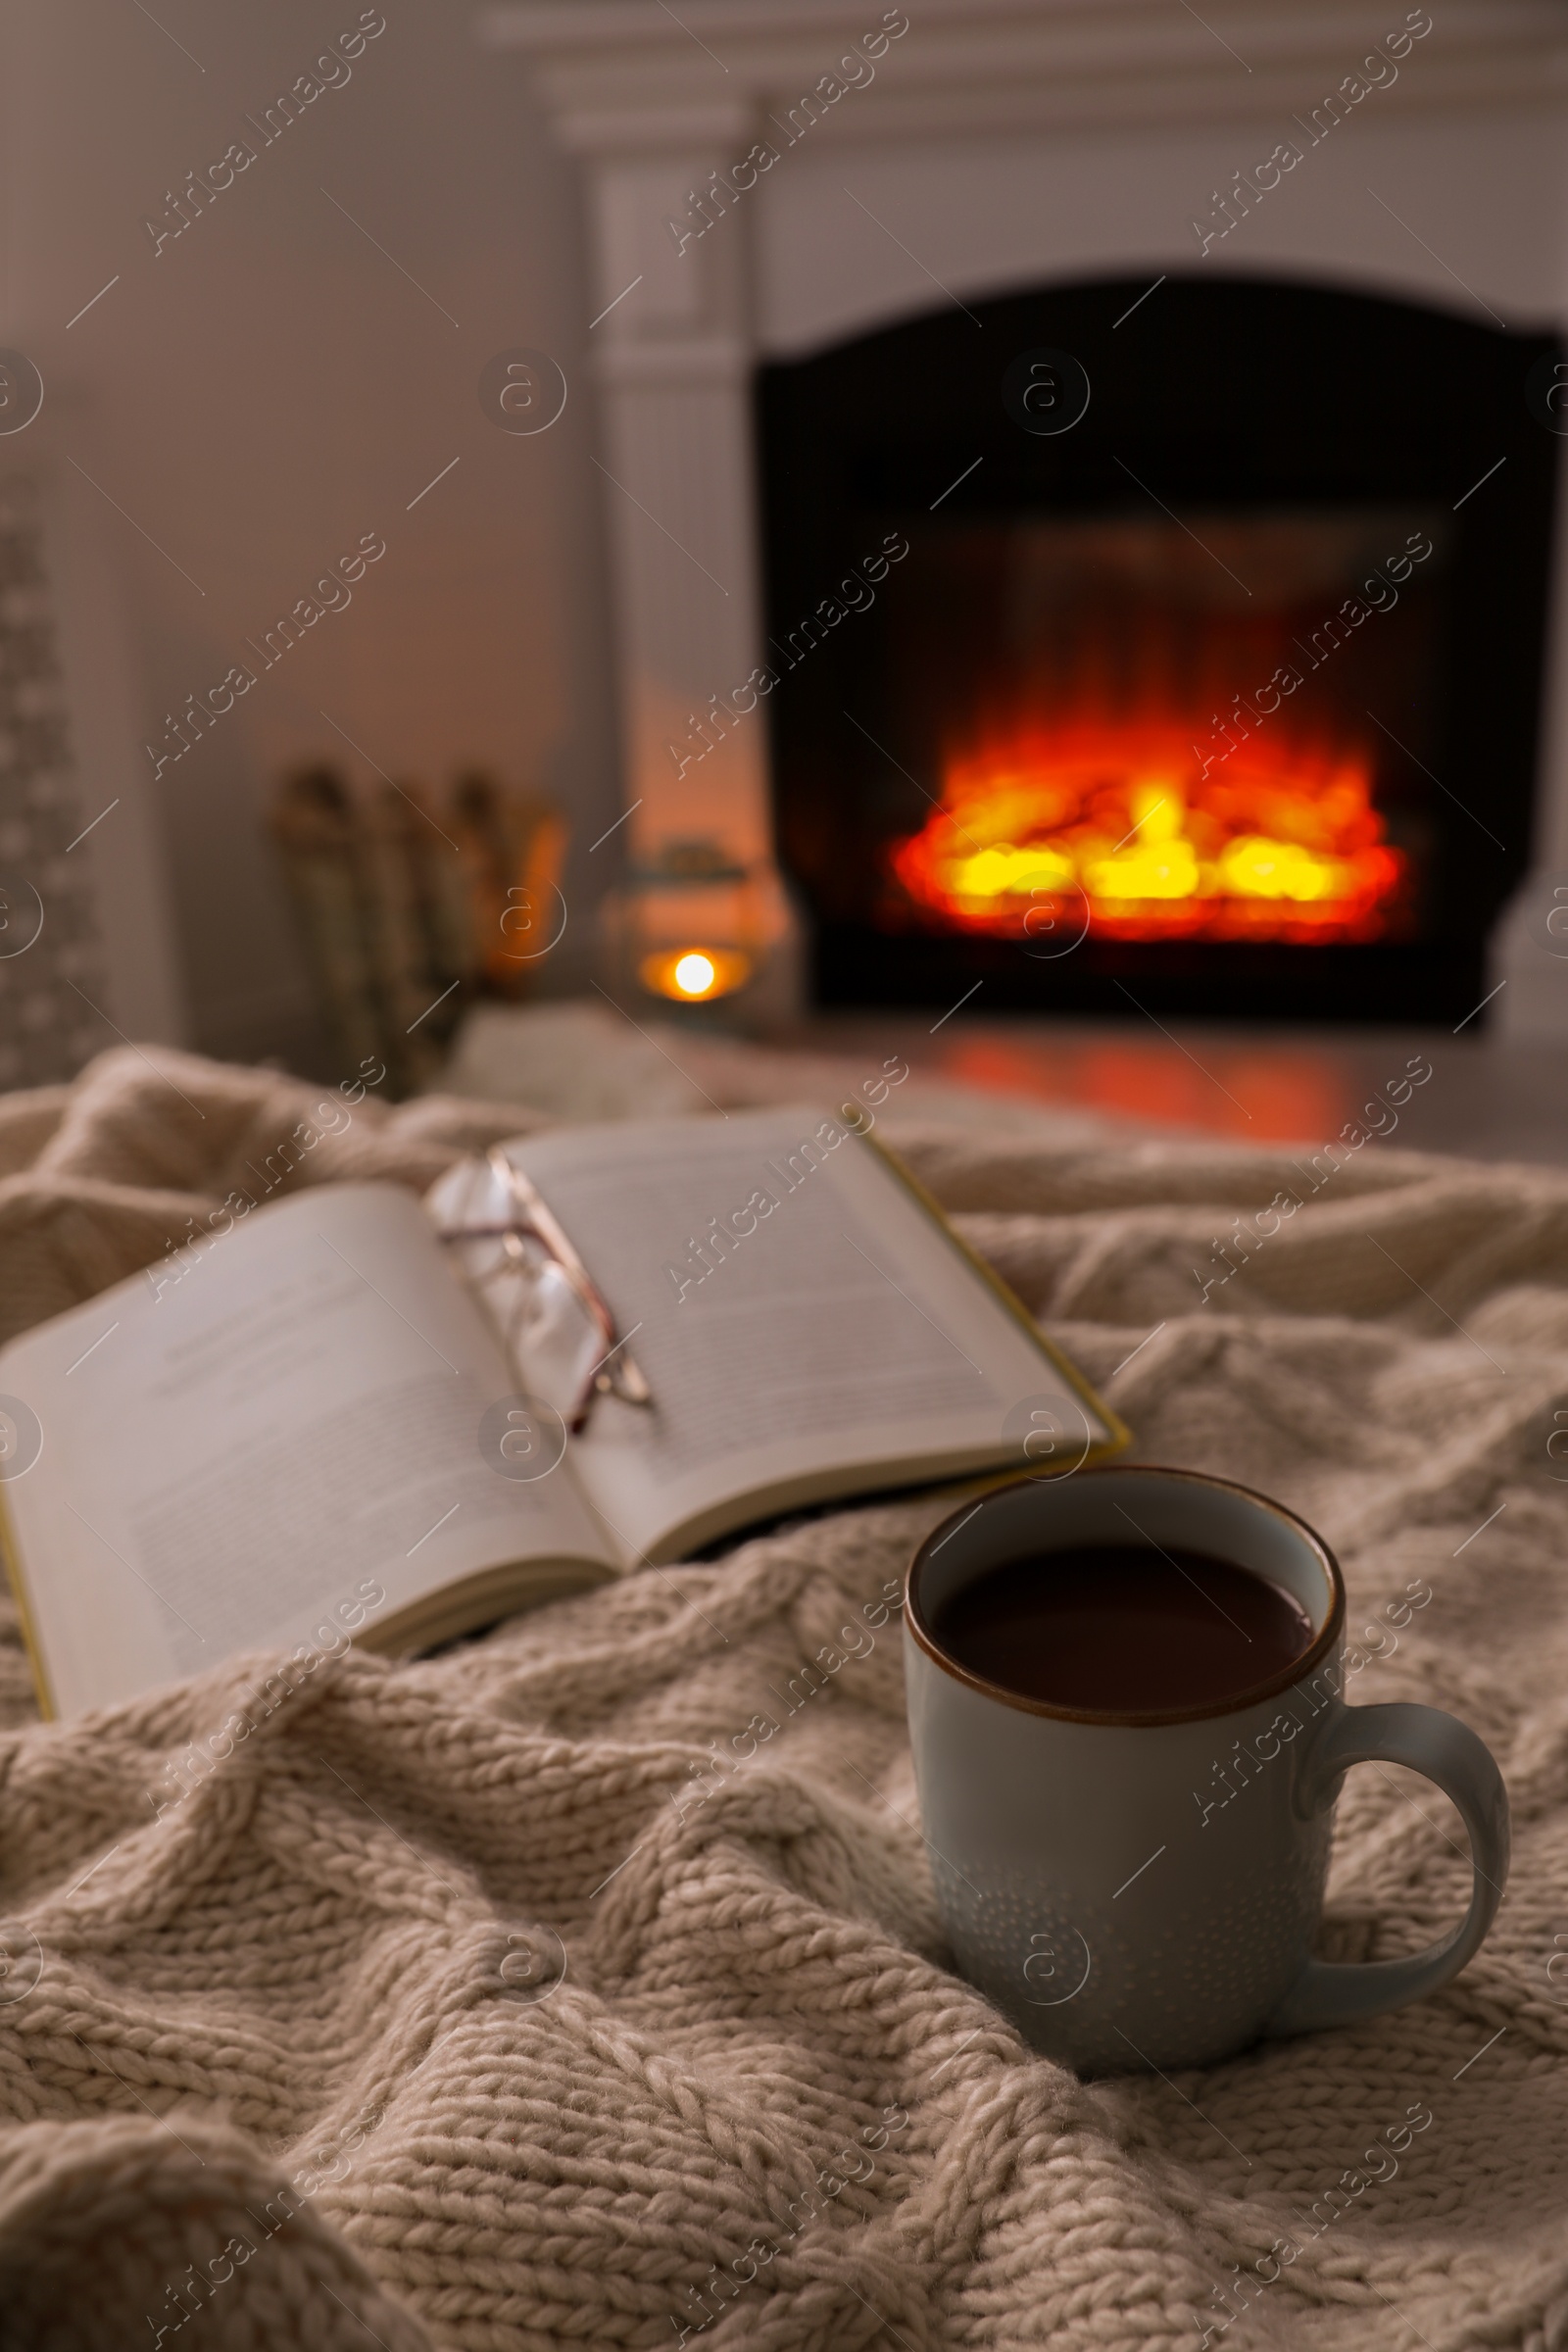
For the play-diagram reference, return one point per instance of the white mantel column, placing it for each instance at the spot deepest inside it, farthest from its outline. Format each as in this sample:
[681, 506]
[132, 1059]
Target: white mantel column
[1524, 952]
[672, 365]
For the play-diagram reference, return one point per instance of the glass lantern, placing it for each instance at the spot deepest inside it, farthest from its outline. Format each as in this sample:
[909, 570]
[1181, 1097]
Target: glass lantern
[691, 928]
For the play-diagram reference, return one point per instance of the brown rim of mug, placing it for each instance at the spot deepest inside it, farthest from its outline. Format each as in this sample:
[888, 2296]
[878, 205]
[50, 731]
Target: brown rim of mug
[1297, 1669]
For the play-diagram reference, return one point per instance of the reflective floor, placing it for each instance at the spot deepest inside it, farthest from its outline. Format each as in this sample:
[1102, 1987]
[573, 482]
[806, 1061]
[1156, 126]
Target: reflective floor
[1488, 1097]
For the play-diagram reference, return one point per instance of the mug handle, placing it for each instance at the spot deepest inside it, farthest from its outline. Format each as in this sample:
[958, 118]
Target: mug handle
[1338, 1992]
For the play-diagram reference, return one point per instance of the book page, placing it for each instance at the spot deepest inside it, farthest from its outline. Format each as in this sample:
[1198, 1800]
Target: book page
[291, 1427]
[803, 1321]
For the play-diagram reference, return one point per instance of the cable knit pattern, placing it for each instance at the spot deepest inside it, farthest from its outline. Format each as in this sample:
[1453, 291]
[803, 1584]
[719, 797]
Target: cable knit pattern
[581, 1986]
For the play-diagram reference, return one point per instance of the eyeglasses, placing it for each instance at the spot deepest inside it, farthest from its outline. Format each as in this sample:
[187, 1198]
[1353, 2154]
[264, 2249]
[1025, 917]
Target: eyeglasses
[555, 1323]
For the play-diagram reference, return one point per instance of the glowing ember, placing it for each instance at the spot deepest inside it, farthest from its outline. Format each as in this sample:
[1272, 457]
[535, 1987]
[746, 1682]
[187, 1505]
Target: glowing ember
[1277, 841]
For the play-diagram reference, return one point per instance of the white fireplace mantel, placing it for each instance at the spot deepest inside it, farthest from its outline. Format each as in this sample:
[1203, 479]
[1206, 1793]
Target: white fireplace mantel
[992, 145]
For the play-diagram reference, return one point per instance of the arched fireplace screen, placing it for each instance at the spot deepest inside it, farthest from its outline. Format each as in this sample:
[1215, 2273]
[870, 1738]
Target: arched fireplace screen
[1220, 696]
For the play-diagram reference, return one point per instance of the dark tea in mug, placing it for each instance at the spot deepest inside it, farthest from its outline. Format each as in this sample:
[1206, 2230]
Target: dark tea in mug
[1124, 1628]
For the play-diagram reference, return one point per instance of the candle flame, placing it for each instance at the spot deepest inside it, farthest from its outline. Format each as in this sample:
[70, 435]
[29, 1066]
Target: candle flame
[694, 975]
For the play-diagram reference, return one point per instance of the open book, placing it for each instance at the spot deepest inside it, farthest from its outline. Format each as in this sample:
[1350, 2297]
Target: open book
[323, 1429]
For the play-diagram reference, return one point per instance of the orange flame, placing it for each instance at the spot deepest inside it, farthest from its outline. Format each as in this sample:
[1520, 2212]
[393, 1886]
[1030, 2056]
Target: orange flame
[1276, 840]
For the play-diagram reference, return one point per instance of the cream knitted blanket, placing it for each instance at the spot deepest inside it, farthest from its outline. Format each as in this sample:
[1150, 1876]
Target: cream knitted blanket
[581, 1987]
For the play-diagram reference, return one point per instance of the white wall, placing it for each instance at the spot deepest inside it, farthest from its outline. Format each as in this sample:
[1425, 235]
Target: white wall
[268, 386]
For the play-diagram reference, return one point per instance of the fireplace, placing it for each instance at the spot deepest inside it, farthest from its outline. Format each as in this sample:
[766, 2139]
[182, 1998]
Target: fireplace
[1302, 389]
[1180, 648]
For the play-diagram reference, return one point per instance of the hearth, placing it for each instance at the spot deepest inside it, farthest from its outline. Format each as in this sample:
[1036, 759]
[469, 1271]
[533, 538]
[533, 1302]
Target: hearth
[1218, 695]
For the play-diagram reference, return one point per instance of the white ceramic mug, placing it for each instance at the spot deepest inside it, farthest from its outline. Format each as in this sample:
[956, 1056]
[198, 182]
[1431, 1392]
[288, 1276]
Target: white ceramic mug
[1143, 1889]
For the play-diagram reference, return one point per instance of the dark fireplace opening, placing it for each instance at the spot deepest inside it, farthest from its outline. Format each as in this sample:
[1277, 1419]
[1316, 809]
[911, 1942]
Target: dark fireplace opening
[1221, 700]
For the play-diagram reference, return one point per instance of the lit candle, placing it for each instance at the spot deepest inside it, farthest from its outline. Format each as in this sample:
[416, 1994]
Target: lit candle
[694, 975]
